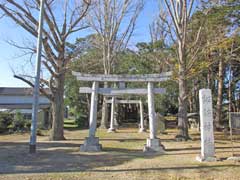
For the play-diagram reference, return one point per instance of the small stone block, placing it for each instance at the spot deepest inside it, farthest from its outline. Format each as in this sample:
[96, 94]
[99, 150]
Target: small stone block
[154, 145]
[142, 130]
[207, 159]
[111, 130]
[91, 144]
[234, 158]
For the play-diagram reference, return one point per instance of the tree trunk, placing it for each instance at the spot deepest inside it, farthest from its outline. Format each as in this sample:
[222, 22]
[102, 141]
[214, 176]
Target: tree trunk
[182, 109]
[190, 102]
[196, 98]
[57, 132]
[209, 78]
[235, 99]
[218, 116]
[230, 90]
[104, 111]
[107, 70]
[182, 99]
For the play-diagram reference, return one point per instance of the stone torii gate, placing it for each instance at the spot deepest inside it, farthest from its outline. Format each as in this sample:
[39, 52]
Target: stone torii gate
[91, 143]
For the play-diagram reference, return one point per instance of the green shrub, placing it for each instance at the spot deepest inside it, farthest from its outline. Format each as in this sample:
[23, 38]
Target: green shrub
[28, 124]
[81, 120]
[19, 123]
[6, 120]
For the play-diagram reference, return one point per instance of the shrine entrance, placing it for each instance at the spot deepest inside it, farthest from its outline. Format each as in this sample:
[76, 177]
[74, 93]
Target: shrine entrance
[91, 143]
[128, 113]
[136, 114]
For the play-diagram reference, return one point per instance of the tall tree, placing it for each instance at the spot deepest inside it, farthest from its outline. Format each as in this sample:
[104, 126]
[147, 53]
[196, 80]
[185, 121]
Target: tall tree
[220, 32]
[114, 22]
[177, 20]
[62, 19]
[86, 61]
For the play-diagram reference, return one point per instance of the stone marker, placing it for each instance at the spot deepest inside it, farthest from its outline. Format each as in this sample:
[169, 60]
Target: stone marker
[91, 143]
[160, 123]
[235, 120]
[206, 123]
[234, 124]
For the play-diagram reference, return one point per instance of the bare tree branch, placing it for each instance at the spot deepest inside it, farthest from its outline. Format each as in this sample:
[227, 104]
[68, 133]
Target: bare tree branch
[107, 18]
[56, 31]
[43, 91]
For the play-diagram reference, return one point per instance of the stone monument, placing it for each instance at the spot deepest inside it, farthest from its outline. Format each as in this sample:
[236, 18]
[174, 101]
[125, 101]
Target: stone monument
[161, 123]
[234, 120]
[206, 125]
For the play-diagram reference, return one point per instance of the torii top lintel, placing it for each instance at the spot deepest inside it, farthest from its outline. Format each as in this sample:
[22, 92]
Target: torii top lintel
[123, 77]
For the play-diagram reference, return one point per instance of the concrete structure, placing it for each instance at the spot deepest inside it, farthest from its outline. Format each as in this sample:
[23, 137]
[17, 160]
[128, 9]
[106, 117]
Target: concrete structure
[112, 128]
[123, 78]
[206, 121]
[22, 98]
[153, 143]
[142, 128]
[118, 92]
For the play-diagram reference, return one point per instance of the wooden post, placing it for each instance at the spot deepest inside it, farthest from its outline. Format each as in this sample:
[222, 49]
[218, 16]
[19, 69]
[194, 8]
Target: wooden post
[151, 111]
[93, 110]
[112, 128]
[142, 128]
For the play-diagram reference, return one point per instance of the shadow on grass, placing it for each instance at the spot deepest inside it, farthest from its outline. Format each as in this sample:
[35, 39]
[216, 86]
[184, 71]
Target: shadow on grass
[122, 139]
[198, 148]
[60, 157]
[209, 168]
[72, 128]
[54, 157]
[122, 150]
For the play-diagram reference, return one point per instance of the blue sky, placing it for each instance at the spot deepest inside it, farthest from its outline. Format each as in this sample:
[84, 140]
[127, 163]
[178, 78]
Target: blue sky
[10, 31]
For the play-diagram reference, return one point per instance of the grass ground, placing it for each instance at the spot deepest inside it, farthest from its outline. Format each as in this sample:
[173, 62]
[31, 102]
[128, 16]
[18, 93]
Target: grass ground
[121, 158]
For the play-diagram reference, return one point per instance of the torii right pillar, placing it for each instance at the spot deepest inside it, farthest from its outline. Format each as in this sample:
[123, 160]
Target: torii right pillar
[153, 143]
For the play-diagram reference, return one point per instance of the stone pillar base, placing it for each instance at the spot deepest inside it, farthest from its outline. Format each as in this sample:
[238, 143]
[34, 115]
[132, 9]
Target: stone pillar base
[153, 145]
[91, 144]
[234, 158]
[206, 159]
[111, 130]
[142, 130]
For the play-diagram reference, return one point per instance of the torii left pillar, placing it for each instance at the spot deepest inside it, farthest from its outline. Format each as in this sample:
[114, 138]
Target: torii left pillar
[153, 143]
[91, 143]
